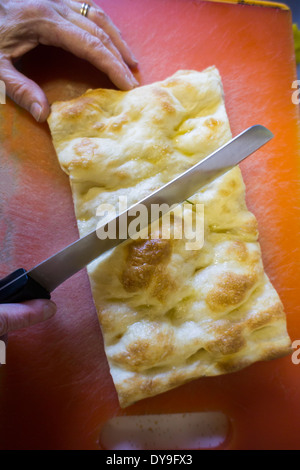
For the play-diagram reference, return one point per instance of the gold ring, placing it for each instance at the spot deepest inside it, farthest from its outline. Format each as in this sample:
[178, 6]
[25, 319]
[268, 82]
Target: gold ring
[84, 9]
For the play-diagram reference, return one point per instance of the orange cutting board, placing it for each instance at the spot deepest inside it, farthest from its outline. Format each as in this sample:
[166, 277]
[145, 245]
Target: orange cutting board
[55, 390]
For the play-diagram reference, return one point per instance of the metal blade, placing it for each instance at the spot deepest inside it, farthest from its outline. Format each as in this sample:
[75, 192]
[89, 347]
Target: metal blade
[55, 270]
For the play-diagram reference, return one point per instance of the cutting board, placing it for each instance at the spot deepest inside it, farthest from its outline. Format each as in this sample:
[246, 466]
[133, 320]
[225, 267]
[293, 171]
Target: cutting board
[55, 390]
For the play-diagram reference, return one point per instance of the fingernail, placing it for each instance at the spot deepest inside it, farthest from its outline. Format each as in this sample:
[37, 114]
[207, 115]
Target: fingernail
[36, 111]
[132, 80]
[134, 60]
[49, 310]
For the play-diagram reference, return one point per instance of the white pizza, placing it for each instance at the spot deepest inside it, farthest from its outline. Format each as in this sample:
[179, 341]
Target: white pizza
[168, 314]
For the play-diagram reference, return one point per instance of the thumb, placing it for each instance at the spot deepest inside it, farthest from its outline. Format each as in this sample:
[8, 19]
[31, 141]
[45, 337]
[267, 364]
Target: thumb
[17, 316]
[25, 92]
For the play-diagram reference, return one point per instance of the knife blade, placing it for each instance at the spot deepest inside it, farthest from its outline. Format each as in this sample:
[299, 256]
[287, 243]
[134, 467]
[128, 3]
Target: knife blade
[44, 278]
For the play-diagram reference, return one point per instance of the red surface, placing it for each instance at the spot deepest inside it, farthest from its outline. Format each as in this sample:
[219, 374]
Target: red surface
[56, 391]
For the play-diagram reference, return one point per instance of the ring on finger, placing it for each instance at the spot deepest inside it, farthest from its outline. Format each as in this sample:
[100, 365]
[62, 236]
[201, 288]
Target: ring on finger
[85, 9]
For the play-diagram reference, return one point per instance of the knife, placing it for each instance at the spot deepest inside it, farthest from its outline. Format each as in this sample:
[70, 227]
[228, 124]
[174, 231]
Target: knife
[40, 281]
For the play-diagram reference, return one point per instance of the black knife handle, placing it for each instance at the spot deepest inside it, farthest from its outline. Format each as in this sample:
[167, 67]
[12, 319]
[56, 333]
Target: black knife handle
[19, 286]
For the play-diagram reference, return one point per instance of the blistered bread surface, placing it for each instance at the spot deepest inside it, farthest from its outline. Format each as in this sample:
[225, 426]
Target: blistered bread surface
[168, 314]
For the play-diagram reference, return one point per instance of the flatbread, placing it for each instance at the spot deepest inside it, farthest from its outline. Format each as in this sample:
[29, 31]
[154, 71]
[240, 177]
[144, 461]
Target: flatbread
[168, 314]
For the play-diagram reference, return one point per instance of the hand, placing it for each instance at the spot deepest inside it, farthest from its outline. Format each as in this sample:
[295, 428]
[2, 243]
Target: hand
[26, 23]
[18, 316]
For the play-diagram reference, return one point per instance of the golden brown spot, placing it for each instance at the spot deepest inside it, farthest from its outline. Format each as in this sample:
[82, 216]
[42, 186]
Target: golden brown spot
[247, 233]
[229, 339]
[167, 107]
[234, 364]
[86, 146]
[172, 83]
[164, 100]
[151, 346]
[162, 284]
[263, 318]
[135, 388]
[108, 319]
[238, 250]
[121, 175]
[83, 154]
[212, 123]
[142, 262]
[178, 378]
[275, 353]
[118, 123]
[250, 227]
[231, 290]
[178, 83]
[80, 106]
